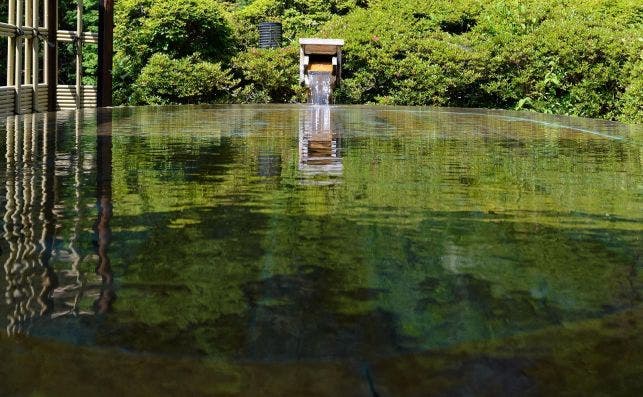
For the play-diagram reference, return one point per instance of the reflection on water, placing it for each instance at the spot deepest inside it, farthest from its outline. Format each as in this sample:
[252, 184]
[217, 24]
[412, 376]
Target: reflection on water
[43, 223]
[27, 246]
[319, 145]
[104, 203]
[379, 237]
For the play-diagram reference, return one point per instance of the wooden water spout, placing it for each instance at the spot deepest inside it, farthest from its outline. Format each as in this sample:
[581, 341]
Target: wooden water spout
[320, 67]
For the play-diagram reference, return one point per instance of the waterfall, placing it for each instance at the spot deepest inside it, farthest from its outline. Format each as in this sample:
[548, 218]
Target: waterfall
[320, 88]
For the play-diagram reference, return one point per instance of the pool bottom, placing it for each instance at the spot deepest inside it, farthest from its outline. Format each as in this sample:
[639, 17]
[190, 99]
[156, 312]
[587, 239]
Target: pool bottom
[595, 357]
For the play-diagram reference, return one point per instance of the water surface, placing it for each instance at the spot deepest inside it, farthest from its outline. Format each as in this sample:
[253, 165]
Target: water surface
[367, 250]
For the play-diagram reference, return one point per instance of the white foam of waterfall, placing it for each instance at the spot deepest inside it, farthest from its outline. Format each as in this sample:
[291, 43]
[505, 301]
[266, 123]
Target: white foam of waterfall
[320, 88]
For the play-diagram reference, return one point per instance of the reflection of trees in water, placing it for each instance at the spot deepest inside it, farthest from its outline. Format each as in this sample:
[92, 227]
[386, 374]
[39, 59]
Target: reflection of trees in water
[285, 270]
[44, 278]
[307, 271]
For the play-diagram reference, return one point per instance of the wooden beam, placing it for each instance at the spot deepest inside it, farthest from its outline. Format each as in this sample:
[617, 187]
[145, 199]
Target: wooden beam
[79, 54]
[52, 53]
[105, 51]
[69, 36]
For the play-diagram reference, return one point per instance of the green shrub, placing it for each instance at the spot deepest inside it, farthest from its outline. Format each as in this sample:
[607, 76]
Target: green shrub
[298, 17]
[571, 61]
[178, 28]
[269, 75]
[578, 59]
[631, 103]
[187, 80]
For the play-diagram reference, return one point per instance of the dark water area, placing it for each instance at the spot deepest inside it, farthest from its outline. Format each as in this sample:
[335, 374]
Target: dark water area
[315, 250]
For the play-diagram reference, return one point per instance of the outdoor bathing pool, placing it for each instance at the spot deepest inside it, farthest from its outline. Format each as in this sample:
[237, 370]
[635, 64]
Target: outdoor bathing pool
[305, 250]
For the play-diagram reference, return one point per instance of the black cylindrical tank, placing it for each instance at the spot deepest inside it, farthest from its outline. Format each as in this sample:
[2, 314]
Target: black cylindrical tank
[270, 35]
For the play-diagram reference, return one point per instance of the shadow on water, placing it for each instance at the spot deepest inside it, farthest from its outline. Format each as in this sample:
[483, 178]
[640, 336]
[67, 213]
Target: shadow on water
[317, 257]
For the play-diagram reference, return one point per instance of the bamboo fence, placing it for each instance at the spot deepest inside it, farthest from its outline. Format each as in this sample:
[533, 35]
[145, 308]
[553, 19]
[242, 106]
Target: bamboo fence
[28, 75]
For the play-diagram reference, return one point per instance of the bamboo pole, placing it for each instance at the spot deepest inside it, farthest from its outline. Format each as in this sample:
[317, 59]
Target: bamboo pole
[28, 43]
[18, 63]
[79, 54]
[45, 64]
[24, 52]
[11, 47]
[35, 47]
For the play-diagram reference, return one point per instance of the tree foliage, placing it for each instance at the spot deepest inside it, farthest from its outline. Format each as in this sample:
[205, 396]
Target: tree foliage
[581, 58]
[67, 51]
[576, 59]
[178, 29]
[269, 75]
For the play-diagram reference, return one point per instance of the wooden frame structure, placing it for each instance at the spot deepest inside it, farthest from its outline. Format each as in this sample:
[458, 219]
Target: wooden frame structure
[33, 62]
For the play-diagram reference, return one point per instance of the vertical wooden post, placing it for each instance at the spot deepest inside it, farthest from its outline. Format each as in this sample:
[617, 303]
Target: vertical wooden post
[52, 53]
[105, 51]
[79, 54]
[18, 64]
[35, 65]
[28, 43]
[11, 46]
[45, 24]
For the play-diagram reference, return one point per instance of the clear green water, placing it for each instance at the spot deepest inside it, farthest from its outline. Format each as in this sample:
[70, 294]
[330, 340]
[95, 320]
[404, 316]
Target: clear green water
[315, 236]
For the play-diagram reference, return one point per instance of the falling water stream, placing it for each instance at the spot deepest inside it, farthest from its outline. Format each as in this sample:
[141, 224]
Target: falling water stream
[320, 88]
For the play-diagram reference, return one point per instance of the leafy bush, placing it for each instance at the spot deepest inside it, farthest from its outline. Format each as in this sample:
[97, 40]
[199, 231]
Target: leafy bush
[177, 28]
[581, 58]
[631, 103]
[544, 55]
[298, 17]
[570, 61]
[187, 80]
[269, 75]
